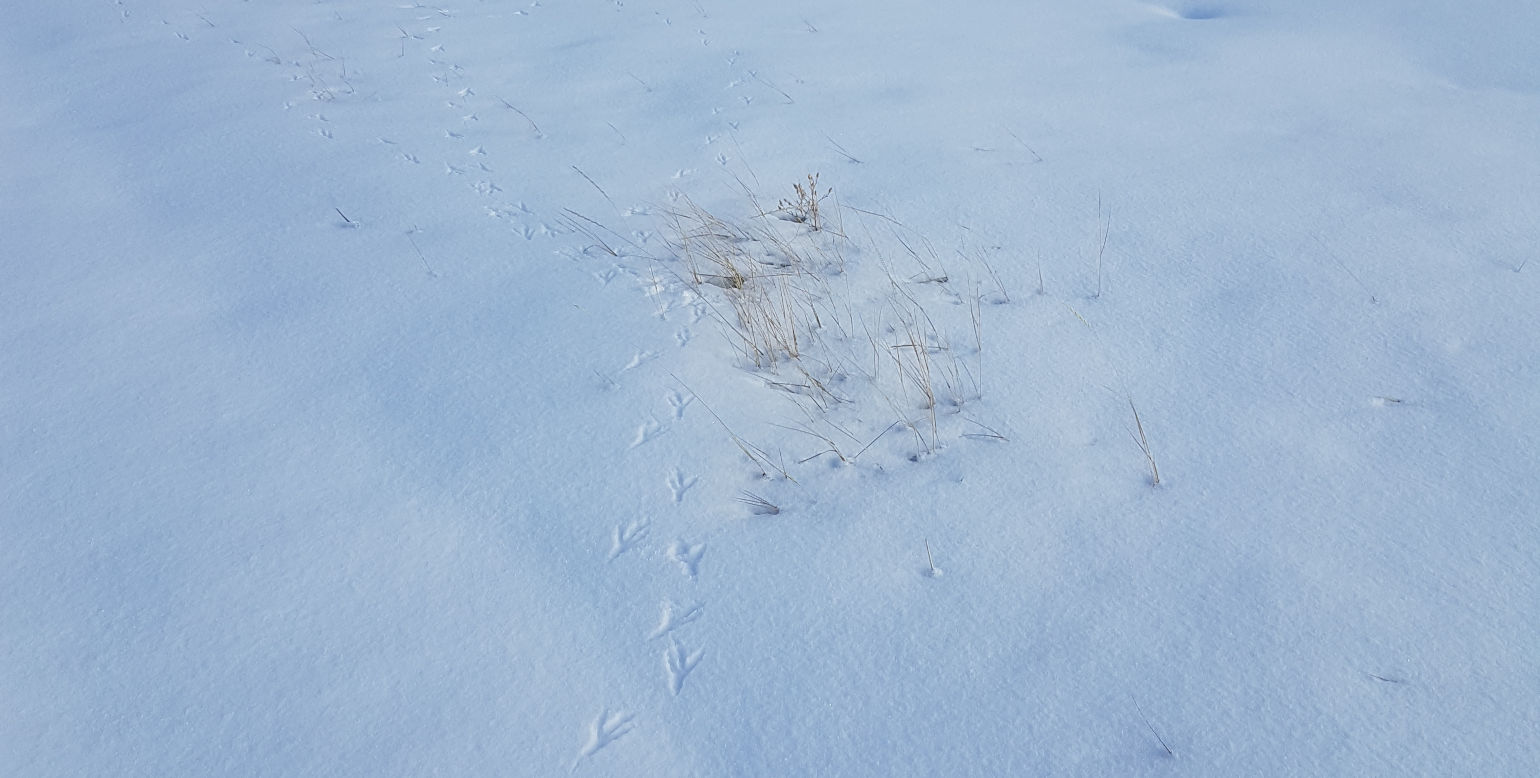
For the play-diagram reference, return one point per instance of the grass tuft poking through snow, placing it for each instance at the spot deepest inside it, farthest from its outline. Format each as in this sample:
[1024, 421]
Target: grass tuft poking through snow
[1144, 444]
[758, 505]
[779, 283]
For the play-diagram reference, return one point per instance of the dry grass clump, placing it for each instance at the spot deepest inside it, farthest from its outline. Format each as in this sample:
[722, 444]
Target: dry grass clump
[780, 284]
[772, 283]
[802, 208]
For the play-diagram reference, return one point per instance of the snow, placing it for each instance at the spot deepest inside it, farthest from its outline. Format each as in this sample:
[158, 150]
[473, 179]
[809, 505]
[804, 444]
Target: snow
[361, 415]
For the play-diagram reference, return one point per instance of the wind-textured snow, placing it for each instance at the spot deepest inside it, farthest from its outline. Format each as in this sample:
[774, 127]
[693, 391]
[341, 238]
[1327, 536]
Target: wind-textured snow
[362, 411]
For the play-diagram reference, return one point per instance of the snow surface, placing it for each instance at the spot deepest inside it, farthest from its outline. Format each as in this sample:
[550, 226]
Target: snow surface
[359, 414]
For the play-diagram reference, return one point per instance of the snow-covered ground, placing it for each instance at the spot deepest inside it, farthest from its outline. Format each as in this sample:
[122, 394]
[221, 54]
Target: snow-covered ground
[374, 400]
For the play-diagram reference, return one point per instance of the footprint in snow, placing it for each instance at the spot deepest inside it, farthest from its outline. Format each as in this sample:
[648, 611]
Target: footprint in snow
[675, 617]
[679, 663]
[679, 483]
[688, 556]
[607, 728]
[628, 536]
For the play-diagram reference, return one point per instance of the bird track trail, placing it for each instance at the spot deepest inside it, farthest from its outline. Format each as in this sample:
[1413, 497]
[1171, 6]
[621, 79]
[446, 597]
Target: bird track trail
[464, 136]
